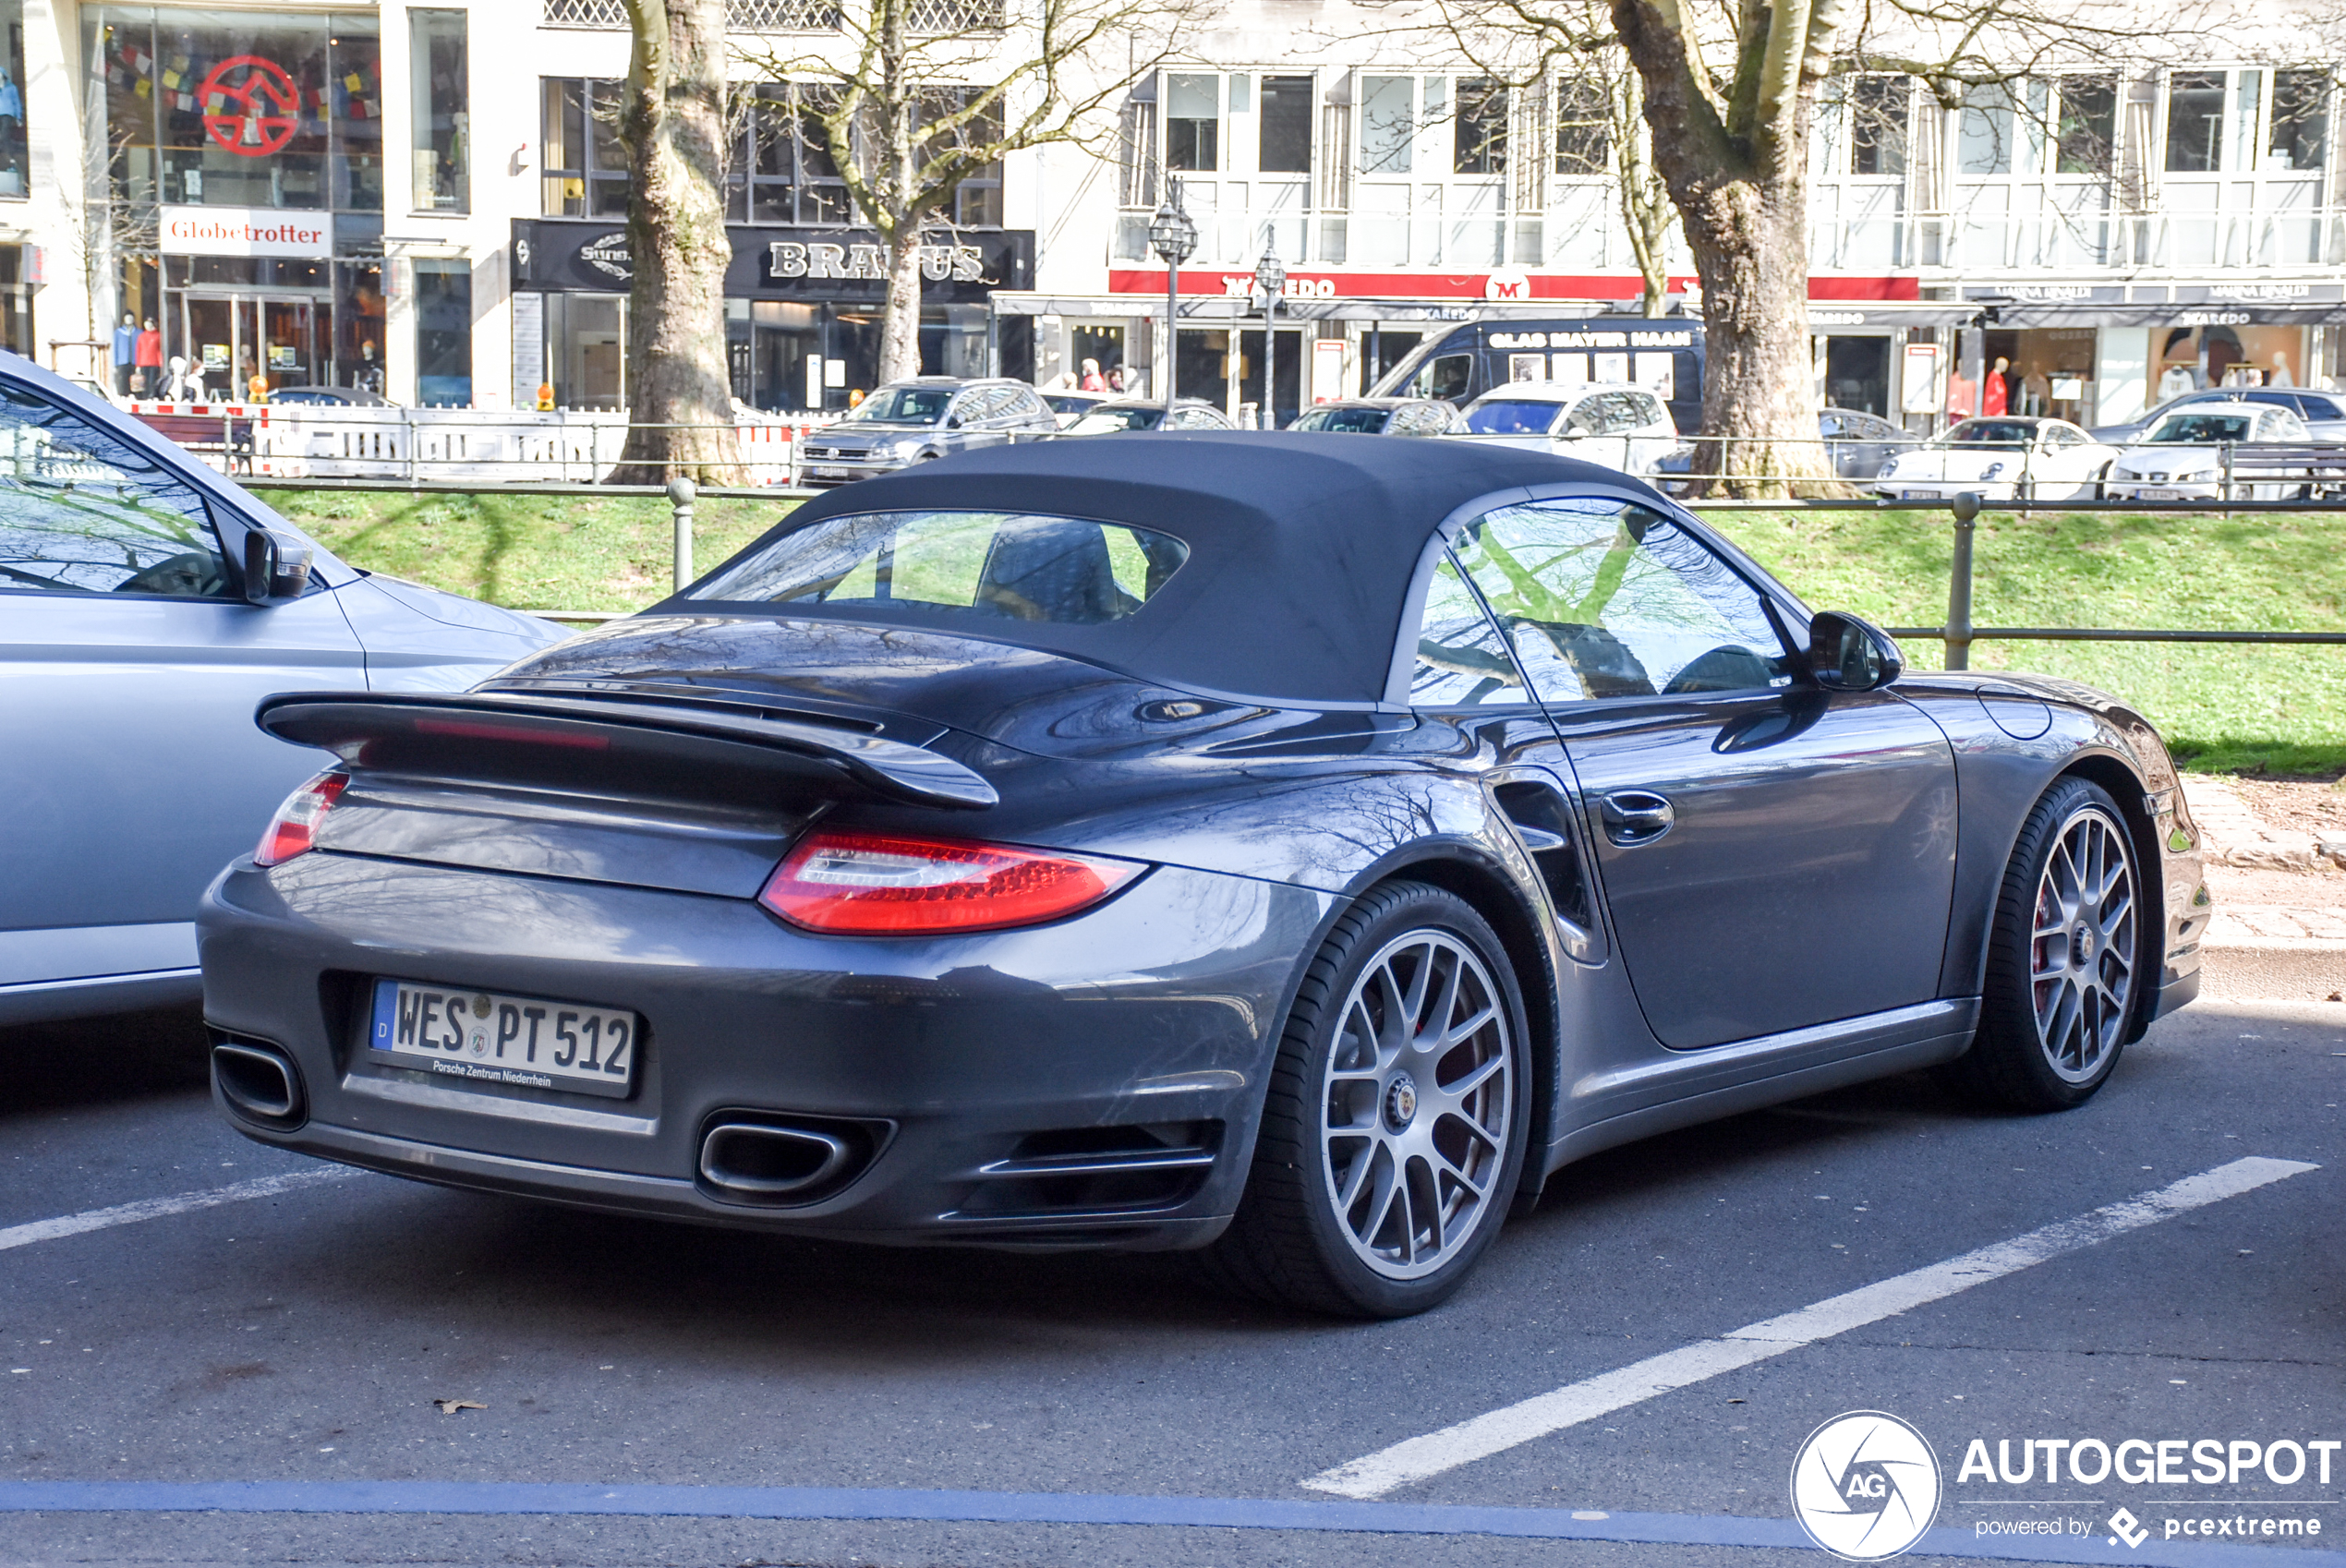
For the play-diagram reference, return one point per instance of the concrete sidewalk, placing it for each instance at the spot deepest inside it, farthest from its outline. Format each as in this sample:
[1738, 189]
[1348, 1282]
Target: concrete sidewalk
[2280, 929]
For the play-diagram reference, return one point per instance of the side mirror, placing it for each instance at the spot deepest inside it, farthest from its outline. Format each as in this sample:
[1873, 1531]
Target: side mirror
[1849, 655]
[277, 567]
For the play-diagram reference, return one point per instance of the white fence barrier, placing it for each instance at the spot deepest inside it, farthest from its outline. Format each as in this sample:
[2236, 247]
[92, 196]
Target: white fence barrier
[351, 441]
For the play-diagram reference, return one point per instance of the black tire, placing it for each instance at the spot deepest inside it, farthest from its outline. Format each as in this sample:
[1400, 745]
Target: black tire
[2060, 997]
[1295, 1242]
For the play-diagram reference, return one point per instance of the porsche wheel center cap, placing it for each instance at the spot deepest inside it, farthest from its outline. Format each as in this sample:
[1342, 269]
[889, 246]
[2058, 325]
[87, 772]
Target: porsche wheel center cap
[2082, 943]
[1400, 1102]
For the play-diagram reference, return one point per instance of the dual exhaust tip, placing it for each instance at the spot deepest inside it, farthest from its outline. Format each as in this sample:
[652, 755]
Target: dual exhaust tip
[766, 1163]
[258, 1083]
[777, 1164]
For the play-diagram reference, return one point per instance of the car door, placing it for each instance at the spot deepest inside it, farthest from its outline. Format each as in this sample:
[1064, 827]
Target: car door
[130, 668]
[1773, 855]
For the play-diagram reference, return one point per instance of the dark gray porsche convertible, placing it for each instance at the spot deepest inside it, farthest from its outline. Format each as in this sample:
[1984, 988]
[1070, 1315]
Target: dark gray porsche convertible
[1297, 847]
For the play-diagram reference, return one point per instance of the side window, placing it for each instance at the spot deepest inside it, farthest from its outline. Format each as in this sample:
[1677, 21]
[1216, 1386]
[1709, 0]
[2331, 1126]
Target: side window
[1461, 661]
[1605, 598]
[1648, 411]
[2318, 408]
[1587, 419]
[1446, 378]
[83, 512]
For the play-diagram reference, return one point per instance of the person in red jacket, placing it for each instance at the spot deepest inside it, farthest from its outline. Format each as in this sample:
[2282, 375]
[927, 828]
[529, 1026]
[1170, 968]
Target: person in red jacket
[146, 359]
[1995, 393]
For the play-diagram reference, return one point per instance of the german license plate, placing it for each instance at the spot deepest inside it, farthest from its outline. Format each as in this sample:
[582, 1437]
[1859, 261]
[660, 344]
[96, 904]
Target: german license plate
[1918, 495]
[2158, 495]
[490, 1040]
[829, 471]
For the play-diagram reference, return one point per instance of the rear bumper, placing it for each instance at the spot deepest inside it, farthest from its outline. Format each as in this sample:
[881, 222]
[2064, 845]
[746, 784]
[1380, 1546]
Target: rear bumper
[1095, 1082]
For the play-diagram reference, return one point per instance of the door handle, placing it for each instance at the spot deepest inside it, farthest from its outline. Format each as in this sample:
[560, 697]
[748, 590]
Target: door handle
[1636, 816]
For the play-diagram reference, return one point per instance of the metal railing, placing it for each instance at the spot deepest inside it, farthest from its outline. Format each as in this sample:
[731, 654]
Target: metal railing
[1957, 633]
[2242, 472]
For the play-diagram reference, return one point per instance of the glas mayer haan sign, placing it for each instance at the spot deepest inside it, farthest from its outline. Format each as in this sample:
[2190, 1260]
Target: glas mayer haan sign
[245, 230]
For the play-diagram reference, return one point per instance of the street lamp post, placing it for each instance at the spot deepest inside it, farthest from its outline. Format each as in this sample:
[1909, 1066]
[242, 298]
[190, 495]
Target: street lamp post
[1172, 236]
[1269, 276]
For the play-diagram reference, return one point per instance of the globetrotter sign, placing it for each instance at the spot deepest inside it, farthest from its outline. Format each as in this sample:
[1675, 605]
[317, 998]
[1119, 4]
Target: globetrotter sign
[244, 231]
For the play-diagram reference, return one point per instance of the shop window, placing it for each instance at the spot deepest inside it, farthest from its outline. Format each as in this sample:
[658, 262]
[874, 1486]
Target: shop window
[1481, 129]
[1194, 121]
[1584, 126]
[1285, 115]
[444, 333]
[977, 200]
[584, 171]
[1877, 108]
[2299, 137]
[1388, 124]
[2194, 122]
[15, 146]
[441, 145]
[2087, 130]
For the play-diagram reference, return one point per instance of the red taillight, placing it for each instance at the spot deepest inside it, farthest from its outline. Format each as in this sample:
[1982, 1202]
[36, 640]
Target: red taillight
[887, 883]
[295, 827]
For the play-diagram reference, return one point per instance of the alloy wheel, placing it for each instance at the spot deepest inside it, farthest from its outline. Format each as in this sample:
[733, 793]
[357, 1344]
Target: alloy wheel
[2082, 951]
[1416, 1105]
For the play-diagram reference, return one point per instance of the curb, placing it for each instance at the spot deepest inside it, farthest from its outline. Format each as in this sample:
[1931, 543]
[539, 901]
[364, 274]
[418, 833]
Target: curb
[2277, 969]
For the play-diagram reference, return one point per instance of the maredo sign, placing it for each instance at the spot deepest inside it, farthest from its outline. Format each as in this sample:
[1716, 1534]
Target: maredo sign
[246, 231]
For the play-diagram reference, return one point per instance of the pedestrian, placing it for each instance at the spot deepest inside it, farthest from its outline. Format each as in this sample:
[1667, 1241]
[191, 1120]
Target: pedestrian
[146, 357]
[1116, 380]
[1995, 393]
[1091, 381]
[125, 352]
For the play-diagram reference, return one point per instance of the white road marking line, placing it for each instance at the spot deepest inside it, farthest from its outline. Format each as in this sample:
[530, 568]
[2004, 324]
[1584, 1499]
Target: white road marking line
[158, 1208]
[1420, 1457]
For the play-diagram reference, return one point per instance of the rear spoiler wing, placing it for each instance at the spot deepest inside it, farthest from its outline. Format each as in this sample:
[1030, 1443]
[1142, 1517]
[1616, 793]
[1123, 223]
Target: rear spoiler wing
[398, 729]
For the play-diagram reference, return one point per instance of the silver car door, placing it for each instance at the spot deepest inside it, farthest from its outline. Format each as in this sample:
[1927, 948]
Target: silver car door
[130, 668]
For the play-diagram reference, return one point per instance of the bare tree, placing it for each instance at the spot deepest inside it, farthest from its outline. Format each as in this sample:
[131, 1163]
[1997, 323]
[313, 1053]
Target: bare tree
[919, 96]
[673, 122]
[1729, 95]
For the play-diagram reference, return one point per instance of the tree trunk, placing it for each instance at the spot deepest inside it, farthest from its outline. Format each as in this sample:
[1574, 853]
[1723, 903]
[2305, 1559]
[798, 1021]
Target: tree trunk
[680, 405]
[1759, 377]
[900, 322]
[1737, 170]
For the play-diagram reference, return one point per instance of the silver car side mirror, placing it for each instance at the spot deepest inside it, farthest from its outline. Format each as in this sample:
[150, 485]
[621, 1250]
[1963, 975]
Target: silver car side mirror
[277, 567]
[1849, 655]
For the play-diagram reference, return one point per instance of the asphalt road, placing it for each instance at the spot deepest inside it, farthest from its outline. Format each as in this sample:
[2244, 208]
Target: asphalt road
[305, 1336]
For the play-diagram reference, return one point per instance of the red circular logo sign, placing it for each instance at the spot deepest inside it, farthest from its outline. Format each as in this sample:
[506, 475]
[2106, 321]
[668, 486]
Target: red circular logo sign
[251, 106]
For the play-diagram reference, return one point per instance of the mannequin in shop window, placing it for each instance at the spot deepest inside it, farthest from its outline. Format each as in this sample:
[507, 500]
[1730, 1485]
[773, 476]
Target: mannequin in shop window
[2036, 393]
[2279, 376]
[2176, 380]
[1995, 392]
[1962, 395]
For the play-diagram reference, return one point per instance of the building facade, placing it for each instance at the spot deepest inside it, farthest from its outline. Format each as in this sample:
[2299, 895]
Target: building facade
[428, 200]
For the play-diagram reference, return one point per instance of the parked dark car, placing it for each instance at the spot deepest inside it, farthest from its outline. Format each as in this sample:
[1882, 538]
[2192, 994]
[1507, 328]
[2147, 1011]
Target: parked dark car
[1070, 407]
[1378, 416]
[1297, 847]
[1129, 415]
[2323, 413]
[919, 421]
[1858, 443]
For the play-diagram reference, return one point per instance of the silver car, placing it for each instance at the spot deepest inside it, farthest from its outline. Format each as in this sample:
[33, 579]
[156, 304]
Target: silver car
[147, 605]
[915, 421]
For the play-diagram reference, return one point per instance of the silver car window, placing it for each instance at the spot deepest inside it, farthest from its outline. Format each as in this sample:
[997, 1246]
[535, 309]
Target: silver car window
[82, 511]
[1606, 599]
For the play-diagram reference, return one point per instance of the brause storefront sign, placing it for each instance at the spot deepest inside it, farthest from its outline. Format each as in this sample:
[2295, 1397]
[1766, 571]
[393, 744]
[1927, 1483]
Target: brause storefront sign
[840, 266]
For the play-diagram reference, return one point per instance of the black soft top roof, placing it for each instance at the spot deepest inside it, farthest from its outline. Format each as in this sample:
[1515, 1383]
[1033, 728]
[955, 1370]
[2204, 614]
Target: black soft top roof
[1301, 546]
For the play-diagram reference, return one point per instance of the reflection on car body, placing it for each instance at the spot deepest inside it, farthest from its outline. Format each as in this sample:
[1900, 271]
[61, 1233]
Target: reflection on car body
[1019, 796]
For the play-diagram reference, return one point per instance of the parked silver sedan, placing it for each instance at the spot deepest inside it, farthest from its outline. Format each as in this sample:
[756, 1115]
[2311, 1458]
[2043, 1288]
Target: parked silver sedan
[147, 605]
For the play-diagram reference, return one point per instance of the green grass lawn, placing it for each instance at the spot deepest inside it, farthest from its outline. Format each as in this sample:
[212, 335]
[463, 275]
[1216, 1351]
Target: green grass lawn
[2262, 709]
[528, 552]
[2277, 710]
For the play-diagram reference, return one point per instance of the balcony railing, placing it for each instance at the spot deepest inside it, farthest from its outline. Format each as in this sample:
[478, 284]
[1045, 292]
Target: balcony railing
[740, 16]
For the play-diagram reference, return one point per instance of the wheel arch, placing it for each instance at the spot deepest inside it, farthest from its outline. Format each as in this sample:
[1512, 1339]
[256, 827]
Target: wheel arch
[1493, 895]
[2126, 787]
